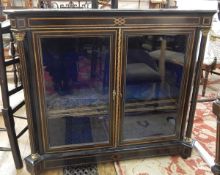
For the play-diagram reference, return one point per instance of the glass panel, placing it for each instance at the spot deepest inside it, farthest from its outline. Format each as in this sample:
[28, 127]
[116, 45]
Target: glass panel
[76, 78]
[153, 79]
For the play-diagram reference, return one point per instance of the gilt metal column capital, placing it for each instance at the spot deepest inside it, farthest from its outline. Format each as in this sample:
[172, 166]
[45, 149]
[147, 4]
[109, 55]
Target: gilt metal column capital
[19, 36]
[205, 32]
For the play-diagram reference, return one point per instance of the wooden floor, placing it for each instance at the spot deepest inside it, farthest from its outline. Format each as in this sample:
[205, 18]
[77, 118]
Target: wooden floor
[6, 161]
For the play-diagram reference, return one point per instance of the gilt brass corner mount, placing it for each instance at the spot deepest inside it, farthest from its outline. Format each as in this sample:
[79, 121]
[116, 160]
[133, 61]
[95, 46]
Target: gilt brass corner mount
[35, 156]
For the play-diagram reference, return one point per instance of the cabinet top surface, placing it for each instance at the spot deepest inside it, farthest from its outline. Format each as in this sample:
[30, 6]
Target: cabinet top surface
[42, 12]
[27, 19]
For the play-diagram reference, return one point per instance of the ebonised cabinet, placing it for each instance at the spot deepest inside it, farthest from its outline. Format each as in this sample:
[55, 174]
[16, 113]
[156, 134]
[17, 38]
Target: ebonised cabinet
[105, 85]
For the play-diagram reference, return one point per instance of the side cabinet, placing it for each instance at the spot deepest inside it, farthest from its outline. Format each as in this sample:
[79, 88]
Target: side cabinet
[105, 85]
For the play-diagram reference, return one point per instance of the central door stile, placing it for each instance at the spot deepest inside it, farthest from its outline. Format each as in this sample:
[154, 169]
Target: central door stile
[117, 92]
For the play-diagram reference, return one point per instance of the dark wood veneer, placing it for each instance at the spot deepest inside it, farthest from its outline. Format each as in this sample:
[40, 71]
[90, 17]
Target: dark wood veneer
[33, 24]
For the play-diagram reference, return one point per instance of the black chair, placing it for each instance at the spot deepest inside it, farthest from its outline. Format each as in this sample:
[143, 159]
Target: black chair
[9, 65]
[211, 61]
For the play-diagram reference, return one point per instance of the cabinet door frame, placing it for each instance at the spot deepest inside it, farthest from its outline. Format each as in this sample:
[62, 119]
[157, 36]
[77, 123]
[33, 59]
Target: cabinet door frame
[42, 125]
[185, 89]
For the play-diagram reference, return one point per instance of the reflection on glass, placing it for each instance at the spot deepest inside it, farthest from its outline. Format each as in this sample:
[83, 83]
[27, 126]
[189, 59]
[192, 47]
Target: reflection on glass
[76, 77]
[152, 89]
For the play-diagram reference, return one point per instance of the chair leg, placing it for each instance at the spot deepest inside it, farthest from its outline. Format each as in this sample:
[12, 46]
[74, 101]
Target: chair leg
[2, 129]
[205, 81]
[5, 149]
[9, 123]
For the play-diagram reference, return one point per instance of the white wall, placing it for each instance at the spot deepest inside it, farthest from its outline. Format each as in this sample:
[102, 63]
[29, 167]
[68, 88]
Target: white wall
[197, 4]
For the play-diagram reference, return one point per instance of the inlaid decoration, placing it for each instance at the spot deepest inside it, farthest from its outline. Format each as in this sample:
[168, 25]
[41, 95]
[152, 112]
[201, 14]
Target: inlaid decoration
[119, 21]
[206, 21]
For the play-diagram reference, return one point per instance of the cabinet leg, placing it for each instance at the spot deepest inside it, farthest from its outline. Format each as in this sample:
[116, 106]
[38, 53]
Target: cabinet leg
[187, 148]
[216, 169]
[187, 151]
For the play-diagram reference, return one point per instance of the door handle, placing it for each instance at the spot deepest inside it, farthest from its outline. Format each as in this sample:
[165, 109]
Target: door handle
[114, 94]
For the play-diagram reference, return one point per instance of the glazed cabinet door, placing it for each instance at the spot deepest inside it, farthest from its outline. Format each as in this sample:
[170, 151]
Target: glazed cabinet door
[155, 66]
[75, 74]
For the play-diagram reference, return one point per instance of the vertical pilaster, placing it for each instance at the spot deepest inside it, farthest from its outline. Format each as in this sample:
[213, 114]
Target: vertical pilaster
[20, 36]
[198, 72]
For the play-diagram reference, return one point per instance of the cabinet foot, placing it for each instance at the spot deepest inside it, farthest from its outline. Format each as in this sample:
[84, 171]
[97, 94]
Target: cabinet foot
[188, 146]
[216, 169]
[187, 151]
[34, 164]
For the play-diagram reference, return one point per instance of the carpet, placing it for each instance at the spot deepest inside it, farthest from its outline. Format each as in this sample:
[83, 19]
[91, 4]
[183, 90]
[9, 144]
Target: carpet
[204, 129]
